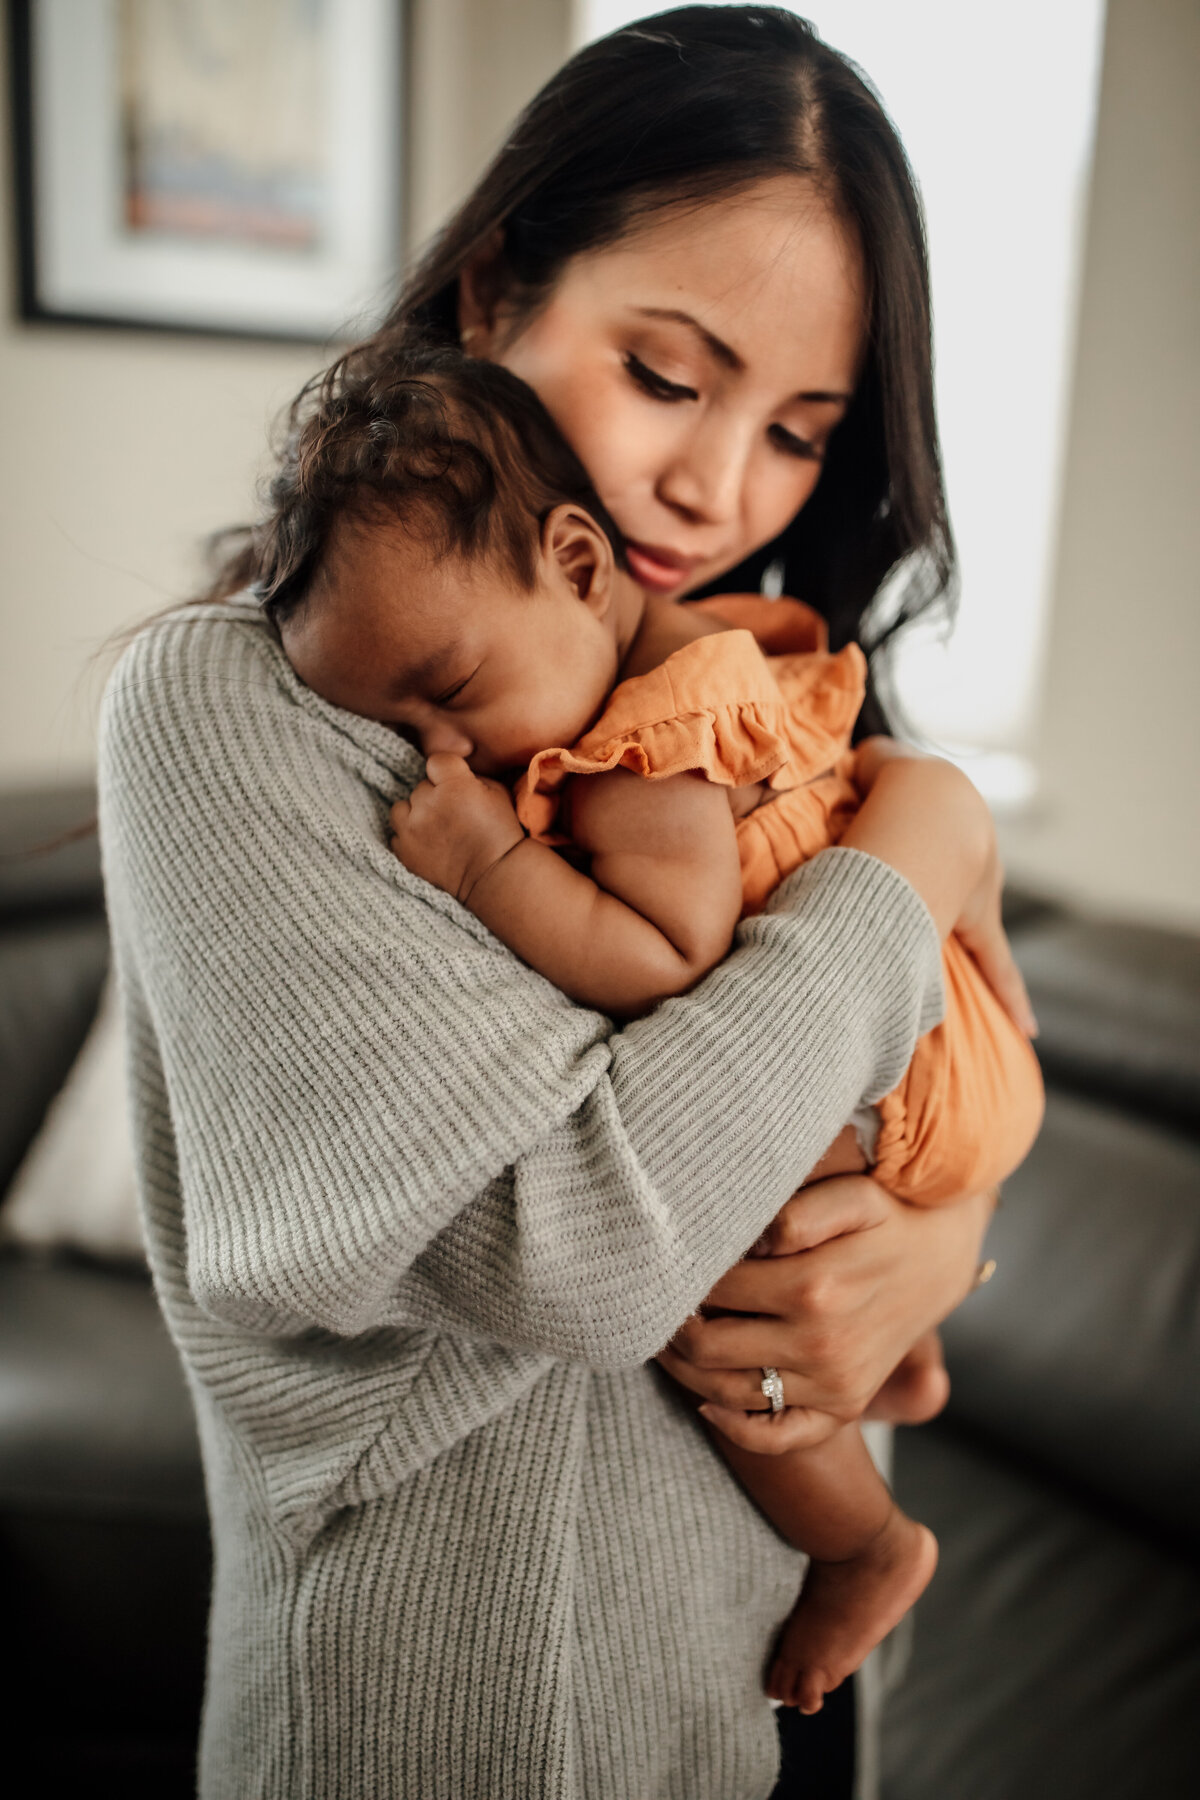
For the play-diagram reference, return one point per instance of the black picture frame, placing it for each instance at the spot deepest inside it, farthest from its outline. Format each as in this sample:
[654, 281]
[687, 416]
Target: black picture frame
[77, 263]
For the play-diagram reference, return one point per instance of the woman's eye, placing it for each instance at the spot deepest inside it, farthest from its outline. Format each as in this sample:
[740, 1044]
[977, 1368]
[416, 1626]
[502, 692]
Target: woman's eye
[792, 445]
[658, 385]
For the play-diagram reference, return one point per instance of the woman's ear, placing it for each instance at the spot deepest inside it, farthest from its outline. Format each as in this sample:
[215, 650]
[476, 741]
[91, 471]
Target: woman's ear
[575, 547]
[480, 290]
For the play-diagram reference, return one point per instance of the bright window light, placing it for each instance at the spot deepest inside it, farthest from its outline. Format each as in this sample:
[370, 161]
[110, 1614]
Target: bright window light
[997, 111]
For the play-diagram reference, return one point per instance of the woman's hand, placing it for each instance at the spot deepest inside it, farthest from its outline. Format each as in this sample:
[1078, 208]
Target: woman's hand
[455, 827]
[848, 1279]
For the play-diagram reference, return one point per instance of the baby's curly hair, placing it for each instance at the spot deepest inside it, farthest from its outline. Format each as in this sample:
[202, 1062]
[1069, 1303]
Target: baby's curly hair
[423, 436]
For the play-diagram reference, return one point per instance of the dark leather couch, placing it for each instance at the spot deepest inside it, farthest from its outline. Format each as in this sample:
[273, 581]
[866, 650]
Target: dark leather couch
[1057, 1653]
[104, 1554]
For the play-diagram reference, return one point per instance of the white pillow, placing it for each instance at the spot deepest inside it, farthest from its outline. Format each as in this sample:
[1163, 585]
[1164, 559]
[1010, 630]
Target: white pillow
[76, 1186]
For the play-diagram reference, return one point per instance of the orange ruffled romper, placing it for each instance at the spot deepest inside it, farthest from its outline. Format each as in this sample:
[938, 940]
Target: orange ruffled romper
[768, 702]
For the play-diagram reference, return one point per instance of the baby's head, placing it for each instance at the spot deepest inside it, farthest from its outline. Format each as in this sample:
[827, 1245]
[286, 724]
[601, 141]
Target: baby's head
[433, 556]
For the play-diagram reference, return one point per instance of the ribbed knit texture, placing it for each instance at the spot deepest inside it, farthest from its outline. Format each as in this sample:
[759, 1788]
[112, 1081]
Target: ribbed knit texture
[417, 1223]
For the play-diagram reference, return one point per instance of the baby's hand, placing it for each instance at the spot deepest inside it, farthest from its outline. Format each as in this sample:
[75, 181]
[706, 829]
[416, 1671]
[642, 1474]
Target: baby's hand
[455, 827]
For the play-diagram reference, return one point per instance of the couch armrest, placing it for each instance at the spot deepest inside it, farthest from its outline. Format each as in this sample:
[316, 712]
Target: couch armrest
[53, 953]
[1119, 1007]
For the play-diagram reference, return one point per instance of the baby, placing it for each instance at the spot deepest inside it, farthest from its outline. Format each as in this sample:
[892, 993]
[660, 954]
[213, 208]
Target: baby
[611, 782]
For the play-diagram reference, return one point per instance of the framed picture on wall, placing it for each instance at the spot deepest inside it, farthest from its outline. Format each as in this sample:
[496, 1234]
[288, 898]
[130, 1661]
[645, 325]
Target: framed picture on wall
[227, 166]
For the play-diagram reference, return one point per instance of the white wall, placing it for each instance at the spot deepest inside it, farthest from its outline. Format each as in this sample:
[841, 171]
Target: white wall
[1117, 825]
[119, 450]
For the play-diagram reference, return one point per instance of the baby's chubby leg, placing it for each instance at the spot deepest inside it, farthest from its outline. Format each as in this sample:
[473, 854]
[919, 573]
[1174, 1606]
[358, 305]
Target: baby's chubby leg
[869, 1561]
[917, 1388]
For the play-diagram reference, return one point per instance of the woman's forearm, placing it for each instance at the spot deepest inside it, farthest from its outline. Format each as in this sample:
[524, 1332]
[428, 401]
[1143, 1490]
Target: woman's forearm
[709, 1115]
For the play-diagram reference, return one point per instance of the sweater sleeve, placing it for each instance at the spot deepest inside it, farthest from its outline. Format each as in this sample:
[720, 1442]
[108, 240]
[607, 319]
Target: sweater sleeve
[382, 1118]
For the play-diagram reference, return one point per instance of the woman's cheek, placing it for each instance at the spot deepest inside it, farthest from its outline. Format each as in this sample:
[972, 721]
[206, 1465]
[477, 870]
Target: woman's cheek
[778, 495]
[615, 441]
[636, 448]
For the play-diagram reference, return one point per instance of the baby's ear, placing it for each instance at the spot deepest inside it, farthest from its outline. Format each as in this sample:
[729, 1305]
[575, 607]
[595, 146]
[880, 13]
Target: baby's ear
[574, 544]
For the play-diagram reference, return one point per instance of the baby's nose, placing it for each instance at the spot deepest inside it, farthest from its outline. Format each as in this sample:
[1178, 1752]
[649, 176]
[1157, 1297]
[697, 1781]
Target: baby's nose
[444, 737]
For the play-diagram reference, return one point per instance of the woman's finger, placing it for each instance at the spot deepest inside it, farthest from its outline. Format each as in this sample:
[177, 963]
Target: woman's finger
[758, 1285]
[399, 813]
[739, 1389]
[709, 1349]
[728, 1387]
[828, 1209]
[771, 1434]
[736, 1343]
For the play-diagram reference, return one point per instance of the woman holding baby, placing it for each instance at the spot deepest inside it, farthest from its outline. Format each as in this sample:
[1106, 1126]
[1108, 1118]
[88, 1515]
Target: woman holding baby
[419, 1224]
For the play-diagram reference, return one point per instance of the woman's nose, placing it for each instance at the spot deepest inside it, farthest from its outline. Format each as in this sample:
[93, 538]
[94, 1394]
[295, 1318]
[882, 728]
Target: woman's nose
[705, 479]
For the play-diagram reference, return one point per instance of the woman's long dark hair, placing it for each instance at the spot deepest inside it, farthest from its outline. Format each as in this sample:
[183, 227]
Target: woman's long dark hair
[692, 104]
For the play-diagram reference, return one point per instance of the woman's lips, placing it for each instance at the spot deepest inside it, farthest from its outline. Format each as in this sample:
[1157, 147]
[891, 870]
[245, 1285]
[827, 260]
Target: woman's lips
[657, 568]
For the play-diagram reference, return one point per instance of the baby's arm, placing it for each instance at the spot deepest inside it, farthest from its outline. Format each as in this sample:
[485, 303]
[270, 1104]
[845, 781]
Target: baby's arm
[657, 912]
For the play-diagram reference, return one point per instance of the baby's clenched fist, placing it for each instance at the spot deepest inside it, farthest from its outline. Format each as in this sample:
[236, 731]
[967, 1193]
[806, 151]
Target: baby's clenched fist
[454, 827]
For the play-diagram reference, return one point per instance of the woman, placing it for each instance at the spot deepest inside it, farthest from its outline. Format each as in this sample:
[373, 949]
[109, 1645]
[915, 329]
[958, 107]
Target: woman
[416, 1222]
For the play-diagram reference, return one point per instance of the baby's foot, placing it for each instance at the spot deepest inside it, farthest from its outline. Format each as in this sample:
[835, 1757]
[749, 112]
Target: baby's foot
[846, 1608]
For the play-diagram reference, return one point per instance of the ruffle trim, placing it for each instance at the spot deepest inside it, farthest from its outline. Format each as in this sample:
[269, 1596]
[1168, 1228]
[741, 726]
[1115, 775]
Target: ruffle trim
[789, 722]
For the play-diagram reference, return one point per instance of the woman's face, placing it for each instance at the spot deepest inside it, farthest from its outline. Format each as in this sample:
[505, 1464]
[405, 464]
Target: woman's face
[698, 367]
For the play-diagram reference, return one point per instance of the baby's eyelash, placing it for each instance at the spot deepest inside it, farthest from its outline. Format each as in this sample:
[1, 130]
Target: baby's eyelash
[454, 692]
[653, 383]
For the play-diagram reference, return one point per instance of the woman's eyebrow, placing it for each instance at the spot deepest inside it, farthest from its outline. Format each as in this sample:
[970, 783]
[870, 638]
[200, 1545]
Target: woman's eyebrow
[718, 348]
[725, 353]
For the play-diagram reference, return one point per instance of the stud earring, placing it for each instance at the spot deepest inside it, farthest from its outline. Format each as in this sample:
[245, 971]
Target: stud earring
[467, 333]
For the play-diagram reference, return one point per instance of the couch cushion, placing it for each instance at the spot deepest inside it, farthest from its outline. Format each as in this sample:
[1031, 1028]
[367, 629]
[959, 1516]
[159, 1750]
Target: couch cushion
[1084, 1352]
[34, 879]
[1055, 1653]
[1119, 1008]
[50, 977]
[76, 1188]
[94, 1413]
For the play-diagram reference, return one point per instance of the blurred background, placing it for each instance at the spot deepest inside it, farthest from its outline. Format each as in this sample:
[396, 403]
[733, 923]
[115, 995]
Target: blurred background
[1059, 151]
[200, 195]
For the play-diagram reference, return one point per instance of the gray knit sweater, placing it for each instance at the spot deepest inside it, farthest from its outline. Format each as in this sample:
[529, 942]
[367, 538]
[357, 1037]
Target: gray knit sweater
[417, 1224]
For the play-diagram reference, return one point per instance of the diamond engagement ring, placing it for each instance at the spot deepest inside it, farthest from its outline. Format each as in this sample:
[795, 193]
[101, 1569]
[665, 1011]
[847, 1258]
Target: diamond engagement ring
[772, 1387]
